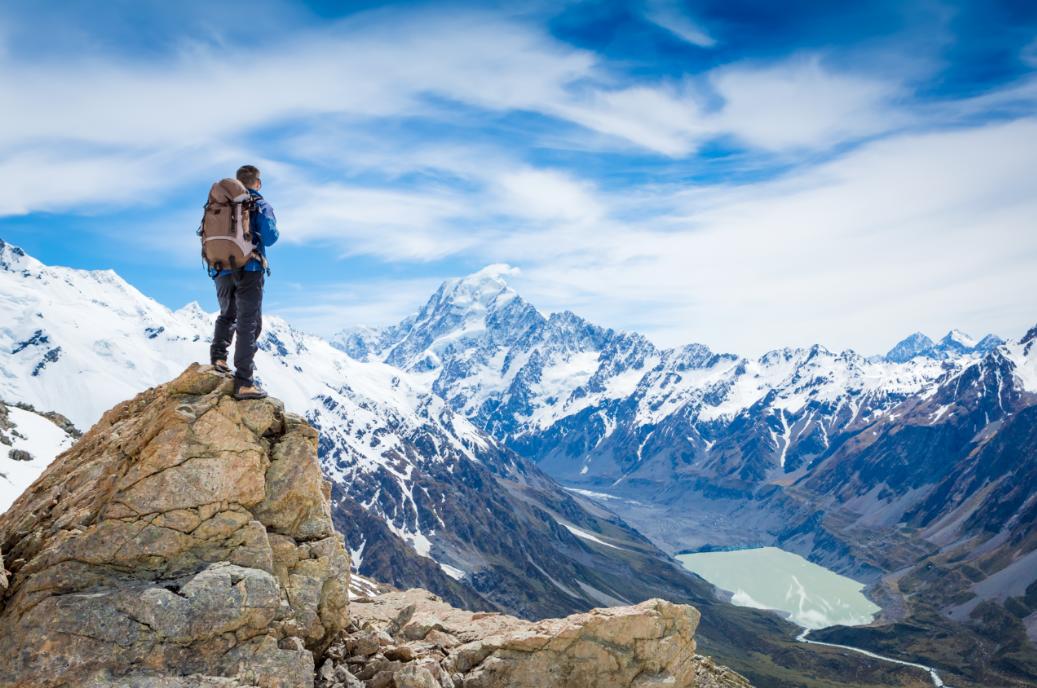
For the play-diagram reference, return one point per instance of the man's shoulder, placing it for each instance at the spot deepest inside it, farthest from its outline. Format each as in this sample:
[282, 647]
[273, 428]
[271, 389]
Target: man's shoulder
[260, 202]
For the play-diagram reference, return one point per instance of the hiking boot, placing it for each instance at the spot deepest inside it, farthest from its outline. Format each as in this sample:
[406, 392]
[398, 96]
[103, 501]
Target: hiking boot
[221, 367]
[249, 391]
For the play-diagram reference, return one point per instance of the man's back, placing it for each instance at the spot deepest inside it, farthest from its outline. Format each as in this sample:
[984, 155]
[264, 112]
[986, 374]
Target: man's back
[240, 294]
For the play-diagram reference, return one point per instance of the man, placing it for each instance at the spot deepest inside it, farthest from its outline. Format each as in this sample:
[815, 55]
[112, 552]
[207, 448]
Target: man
[240, 293]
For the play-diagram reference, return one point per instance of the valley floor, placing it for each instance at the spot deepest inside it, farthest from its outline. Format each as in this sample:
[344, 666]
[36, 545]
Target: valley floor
[908, 630]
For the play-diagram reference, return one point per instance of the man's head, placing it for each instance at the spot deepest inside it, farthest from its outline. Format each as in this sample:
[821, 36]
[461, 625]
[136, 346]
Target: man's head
[249, 176]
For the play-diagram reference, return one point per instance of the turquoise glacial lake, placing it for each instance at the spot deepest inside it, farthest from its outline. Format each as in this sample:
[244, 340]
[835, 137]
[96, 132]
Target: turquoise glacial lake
[771, 578]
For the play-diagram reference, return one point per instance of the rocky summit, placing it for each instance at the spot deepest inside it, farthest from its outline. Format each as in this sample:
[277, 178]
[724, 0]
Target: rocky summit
[186, 541]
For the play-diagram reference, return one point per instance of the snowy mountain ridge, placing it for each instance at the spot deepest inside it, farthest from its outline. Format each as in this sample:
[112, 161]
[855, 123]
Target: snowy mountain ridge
[952, 344]
[529, 378]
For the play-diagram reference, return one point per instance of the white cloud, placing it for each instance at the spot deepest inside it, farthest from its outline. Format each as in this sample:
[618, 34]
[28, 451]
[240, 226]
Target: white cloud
[51, 179]
[799, 104]
[396, 225]
[546, 195]
[920, 231]
[370, 66]
[670, 16]
[387, 65]
[660, 118]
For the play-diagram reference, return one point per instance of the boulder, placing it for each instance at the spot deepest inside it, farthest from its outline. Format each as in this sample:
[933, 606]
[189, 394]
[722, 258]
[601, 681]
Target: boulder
[434, 645]
[185, 540]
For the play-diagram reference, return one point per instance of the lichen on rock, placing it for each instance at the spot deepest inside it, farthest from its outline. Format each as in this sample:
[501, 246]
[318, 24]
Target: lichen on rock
[185, 540]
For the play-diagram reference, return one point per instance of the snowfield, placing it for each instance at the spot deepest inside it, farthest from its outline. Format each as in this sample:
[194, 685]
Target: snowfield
[32, 433]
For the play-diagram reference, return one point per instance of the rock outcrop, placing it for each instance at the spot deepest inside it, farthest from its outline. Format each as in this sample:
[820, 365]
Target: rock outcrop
[413, 639]
[186, 540]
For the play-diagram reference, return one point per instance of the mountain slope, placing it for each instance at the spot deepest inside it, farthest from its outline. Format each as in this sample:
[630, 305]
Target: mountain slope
[952, 472]
[502, 535]
[28, 442]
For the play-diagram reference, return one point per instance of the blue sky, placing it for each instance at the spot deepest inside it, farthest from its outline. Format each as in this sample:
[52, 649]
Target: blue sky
[744, 174]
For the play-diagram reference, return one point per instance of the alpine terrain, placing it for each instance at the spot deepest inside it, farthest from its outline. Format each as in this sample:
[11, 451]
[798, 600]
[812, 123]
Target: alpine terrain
[186, 541]
[915, 471]
[424, 495]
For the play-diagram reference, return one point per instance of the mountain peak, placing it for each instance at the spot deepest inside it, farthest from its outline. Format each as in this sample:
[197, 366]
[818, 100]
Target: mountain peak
[989, 343]
[958, 340]
[909, 347]
[952, 344]
[14, 259]
[482, 287]
[497, 272]
[1030, 336]
[193, 311]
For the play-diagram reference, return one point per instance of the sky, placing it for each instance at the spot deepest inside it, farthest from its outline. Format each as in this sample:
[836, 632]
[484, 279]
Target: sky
[747, 175]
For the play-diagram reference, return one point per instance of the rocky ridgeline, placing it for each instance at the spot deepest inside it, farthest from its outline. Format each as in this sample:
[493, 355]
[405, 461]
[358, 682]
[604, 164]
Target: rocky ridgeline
[186, 541]
[413, 639]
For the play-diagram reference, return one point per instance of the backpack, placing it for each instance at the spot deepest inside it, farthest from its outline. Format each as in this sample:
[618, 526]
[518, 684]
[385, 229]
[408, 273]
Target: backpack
[226, 226]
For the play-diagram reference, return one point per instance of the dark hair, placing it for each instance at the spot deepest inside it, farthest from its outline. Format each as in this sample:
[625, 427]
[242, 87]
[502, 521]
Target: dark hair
[248, 175]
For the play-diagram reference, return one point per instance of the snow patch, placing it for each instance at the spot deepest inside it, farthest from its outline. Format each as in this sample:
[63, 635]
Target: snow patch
[588, 536]
[453, 572]
[38, 436]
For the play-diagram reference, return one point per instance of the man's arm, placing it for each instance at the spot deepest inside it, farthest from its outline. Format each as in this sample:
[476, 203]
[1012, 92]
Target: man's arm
[266, 222]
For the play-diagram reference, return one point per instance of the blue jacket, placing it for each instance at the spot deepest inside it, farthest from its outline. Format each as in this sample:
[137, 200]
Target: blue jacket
[263, 225]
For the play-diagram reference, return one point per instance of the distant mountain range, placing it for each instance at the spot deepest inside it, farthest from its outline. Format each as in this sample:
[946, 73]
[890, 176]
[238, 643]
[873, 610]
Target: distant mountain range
[880, 467]
[446, 437]
[609, 410]
[954, 343]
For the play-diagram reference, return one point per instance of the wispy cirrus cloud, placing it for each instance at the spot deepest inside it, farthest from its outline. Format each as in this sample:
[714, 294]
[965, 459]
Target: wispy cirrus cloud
[673, 17]
[800, 103]
[383, 65]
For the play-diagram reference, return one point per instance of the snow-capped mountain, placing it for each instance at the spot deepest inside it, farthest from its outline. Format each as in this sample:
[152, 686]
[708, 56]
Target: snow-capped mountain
[483, 526]
[496, 359]
[913, 345]
[609, 410]
[939, 496]
[954, 343]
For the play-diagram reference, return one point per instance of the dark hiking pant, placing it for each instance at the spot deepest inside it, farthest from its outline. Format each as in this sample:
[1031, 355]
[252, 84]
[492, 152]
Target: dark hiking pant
[241, 310]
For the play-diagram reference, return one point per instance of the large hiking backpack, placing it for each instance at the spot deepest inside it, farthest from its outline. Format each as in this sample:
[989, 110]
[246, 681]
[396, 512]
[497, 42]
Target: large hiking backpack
[225, 229]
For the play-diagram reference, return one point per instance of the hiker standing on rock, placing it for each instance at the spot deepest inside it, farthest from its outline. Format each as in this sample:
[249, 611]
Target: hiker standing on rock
[237, 226]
